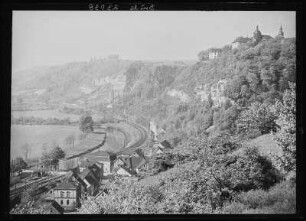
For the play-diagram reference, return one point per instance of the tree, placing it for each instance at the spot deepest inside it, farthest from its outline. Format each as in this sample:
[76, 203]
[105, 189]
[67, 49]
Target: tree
[26, 150]
[286, 134]
[51, 156]
[86, 124]
[18, 164]
[56, 154]
[257, 117]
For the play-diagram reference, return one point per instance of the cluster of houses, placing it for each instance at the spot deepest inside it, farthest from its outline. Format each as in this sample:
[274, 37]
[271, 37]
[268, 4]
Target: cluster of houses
[94, 167]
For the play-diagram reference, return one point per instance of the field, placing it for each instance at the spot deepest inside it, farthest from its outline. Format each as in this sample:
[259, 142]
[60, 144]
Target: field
[37, 135]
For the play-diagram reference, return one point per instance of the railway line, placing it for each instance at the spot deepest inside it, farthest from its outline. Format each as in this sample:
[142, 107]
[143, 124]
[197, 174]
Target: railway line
[41, 182]
[14, 193]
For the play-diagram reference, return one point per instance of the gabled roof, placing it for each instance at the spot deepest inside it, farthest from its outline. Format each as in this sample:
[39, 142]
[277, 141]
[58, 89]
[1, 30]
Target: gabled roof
[213, 50]
[130, 152]
[56, 206]
[139, 152]
[143, 162]
[241, 39]
[123, 159]
[84, 173]
[66, 186]
[92, 180]
[126, 169]
[166, 144]
[136, 162]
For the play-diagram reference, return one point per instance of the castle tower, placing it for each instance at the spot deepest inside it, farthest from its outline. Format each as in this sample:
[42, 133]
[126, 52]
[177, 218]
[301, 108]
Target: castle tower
[280, 32]
[257, 36]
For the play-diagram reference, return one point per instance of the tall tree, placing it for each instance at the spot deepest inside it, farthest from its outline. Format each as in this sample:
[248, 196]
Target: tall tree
[56, 154]
[86, 124]
[18, 164]
[286, 134]
[257, 117]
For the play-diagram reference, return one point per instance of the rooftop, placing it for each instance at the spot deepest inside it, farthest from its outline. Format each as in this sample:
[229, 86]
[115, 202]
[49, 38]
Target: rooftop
[166, 144]
[56, 206]
[66, 186]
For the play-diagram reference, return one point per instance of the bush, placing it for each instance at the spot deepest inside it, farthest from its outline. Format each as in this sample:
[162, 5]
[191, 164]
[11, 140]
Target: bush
[279, 199]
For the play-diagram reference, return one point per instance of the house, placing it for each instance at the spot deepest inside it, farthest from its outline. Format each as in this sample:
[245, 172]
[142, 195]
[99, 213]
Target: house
[97, 170]
[89, 178]
[159, 150]
[67, 195]
[133, 162]
[165, 144]
[123, 171]
[54, 208]
[130, 152]
[103, 157]
[213, 53]
[119, 162]
[88, 181]
[240, 41]
[68, 164]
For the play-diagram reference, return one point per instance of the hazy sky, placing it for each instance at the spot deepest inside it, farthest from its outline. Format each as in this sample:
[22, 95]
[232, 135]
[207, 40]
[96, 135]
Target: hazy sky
[57, 37]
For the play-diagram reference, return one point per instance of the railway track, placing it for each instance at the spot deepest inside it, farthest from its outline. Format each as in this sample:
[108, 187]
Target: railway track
[42, 182]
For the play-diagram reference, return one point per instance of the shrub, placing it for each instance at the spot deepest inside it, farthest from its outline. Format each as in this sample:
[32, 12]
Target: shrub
[277, 196]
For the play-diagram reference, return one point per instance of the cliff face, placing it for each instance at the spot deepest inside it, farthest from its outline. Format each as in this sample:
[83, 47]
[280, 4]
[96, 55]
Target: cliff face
[151, 80]
[215, 92]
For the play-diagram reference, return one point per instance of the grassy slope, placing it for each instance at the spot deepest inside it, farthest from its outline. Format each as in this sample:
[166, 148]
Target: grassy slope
[266, 145]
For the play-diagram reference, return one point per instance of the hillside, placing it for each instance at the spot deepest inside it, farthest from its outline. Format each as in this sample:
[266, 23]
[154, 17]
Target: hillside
[71, 83]
[189, 99]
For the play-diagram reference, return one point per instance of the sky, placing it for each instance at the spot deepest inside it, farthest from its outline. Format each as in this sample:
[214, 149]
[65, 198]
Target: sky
[44, 38]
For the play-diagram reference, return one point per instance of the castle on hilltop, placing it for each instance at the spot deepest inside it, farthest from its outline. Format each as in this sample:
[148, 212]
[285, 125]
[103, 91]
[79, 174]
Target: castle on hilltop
[213, 53]
[257, 37]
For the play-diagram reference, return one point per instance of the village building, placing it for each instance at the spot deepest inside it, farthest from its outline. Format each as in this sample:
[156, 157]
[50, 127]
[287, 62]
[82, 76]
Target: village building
[131, 160]
[257, 36]
[214, 53]
[130, 152]
[67, 195]
[89, 178]
[240, 41]
[68, 164]
[89, 182]
[103, 157]
[54, 208]
[280, 33]
[123, 171]
[160, 150]
[164, 145]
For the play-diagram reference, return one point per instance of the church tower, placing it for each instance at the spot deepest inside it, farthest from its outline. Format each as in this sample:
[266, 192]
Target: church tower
[280, 32]
[257, 36]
